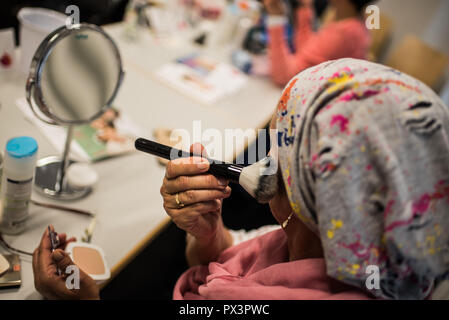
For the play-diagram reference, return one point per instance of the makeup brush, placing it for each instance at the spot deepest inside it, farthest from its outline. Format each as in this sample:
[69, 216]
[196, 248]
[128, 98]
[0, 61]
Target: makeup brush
[257, 179]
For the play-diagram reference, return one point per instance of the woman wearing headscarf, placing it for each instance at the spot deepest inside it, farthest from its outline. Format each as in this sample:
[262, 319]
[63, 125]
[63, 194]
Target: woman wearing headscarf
[362, 199]
[345, 37]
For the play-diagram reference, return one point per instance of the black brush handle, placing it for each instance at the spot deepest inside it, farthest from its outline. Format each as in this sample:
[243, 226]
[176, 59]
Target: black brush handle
[217, 168]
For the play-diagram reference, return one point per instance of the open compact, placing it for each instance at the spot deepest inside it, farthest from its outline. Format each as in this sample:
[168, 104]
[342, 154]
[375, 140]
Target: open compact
[91, 259]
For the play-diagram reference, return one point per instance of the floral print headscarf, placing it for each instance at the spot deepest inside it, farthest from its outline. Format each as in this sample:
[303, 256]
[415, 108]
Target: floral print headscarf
[364, 154]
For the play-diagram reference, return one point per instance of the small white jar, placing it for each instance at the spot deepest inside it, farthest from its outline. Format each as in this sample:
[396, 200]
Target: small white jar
[17, 182]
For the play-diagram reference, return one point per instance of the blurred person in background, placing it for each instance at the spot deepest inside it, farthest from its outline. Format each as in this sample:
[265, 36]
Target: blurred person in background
[345, 36]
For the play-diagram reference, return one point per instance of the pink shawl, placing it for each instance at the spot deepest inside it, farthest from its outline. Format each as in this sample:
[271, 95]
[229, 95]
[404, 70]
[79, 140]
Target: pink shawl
[259, 269]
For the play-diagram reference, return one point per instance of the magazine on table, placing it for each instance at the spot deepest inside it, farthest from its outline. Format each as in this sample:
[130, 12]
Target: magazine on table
[202, 79]
[110, 135]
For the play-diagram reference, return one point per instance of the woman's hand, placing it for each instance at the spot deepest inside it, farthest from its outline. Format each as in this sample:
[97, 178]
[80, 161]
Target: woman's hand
[193, 198]
[45, 269]
[274, 7]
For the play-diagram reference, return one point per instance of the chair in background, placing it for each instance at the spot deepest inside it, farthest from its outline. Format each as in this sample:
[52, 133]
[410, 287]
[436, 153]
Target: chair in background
[416, 58]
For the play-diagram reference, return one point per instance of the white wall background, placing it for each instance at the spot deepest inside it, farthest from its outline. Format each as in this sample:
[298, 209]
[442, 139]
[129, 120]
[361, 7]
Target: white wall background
[427, 19]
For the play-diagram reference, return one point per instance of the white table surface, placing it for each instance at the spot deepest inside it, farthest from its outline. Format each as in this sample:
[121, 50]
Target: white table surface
[127, 200]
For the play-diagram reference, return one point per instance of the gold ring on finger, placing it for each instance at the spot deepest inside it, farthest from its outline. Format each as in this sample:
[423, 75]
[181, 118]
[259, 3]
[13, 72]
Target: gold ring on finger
[178, 202]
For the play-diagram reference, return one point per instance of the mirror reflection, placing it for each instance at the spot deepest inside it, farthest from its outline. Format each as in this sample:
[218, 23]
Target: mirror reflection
[79, 76]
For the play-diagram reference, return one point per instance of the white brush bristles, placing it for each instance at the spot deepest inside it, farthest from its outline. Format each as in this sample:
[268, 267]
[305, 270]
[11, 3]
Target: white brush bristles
[260, 180]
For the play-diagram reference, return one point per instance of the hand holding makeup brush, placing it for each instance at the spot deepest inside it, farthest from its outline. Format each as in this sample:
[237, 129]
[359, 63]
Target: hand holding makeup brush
[45, 269]
[193, 199]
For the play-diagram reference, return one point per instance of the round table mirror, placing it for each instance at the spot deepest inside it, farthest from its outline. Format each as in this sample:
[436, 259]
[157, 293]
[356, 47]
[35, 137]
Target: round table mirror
[74, 77]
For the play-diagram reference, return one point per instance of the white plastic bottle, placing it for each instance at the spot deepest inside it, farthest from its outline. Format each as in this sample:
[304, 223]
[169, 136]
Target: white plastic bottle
[17, 181]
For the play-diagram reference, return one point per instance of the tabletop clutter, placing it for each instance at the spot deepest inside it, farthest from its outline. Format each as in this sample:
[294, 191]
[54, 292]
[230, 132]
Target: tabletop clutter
[56, 102]
[17, 173]
[239, 25]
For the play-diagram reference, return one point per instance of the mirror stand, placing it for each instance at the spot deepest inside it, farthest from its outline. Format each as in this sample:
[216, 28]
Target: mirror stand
[50, 176]
[92, 60]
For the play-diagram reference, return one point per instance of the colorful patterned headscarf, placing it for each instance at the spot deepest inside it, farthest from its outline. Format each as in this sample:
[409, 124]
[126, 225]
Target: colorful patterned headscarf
[364, 153]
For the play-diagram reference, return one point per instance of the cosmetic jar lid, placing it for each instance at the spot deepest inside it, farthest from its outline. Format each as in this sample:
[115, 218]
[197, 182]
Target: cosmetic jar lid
[21, 147]
[91, 259]
[81, 175]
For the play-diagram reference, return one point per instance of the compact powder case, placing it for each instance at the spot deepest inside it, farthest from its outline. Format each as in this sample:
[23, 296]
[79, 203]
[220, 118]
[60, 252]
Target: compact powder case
[91, 259]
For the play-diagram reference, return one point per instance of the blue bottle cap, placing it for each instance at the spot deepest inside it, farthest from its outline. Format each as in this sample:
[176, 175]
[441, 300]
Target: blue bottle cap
[21, 147]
